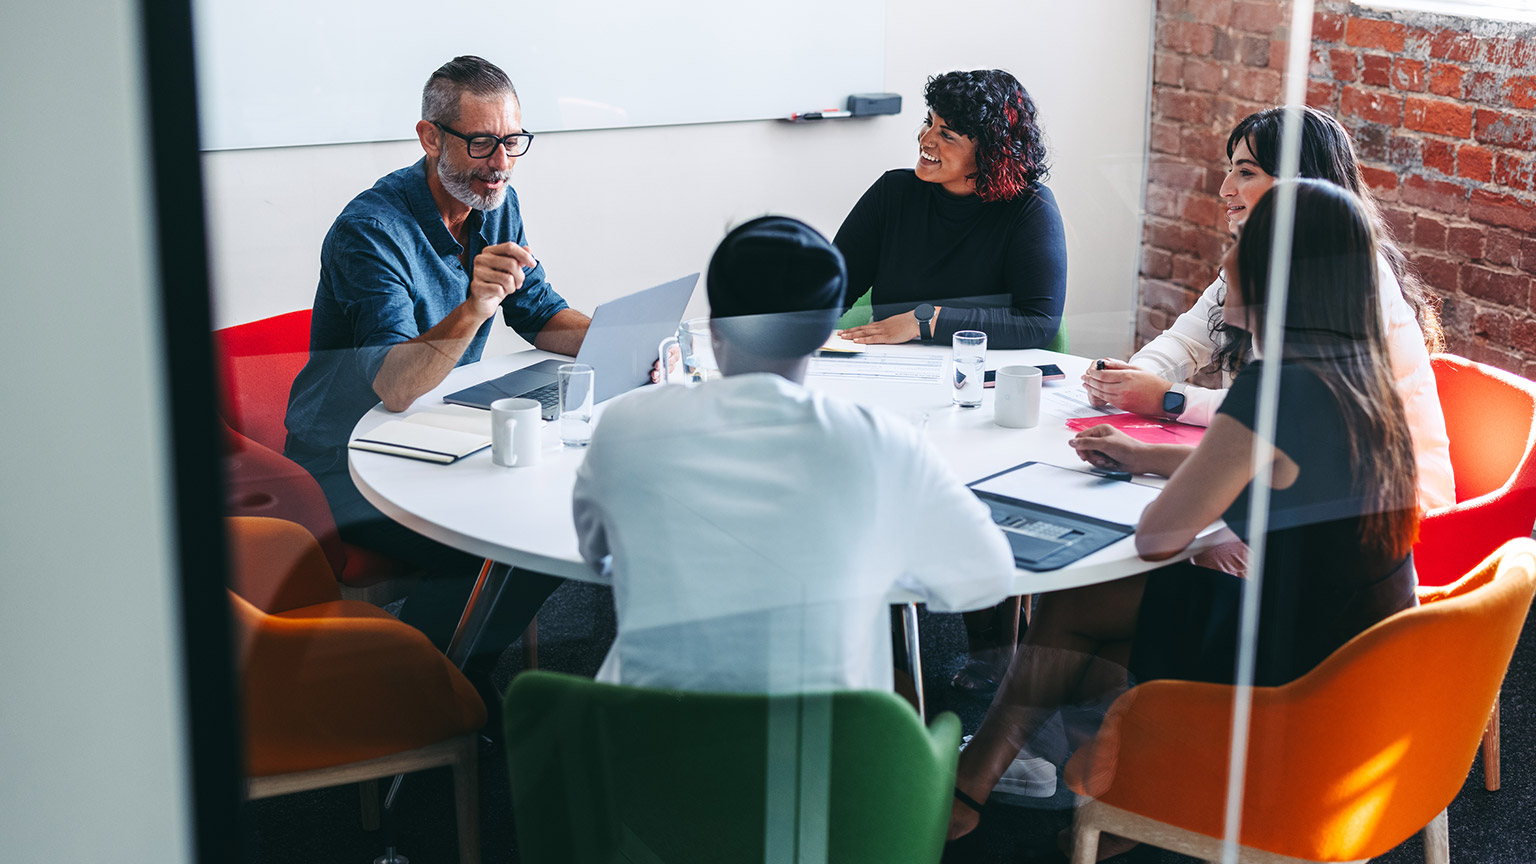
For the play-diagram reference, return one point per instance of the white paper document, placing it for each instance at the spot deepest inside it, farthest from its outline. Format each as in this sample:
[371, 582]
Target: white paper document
[920, 369]
[1067, 403]
[1073, 491]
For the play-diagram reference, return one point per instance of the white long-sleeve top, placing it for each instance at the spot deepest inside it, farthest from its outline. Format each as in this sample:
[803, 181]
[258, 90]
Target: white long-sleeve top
[1185, 347]
[757, 528]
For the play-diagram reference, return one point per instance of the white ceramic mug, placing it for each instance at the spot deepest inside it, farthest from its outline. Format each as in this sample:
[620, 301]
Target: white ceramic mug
[696, 350]
[1017, 403]
[517, 433]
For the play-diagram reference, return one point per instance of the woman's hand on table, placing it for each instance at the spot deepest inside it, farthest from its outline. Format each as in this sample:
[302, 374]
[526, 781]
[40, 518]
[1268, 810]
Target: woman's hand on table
[1126, 387]
[1106, 447]
[897, 328]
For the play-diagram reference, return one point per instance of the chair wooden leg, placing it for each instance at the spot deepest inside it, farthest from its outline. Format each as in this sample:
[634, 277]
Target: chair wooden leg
[1491, 750]
[1011, 619]
[531, 644]
[466, 797]
[1085, 836]
[1437, 840]
[1024, 602]
[368, 794]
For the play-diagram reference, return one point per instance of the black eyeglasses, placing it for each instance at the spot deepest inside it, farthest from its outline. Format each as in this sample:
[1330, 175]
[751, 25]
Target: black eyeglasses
[481, 146]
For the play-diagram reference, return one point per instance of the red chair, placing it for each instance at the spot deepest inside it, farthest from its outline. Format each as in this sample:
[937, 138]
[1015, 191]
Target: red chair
[257, 364]
[1490, 416]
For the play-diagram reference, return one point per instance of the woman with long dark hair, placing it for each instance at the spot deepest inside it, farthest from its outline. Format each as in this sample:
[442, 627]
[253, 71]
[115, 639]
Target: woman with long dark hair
[1152, 382]
[969, 239]
[1342, 511]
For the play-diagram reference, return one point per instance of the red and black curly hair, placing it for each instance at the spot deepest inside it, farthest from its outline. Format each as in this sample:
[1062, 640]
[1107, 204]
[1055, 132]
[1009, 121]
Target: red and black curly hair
[991, 107]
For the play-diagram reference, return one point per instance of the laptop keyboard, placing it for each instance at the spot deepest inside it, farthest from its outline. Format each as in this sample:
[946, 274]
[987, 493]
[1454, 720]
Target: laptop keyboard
[549, 398]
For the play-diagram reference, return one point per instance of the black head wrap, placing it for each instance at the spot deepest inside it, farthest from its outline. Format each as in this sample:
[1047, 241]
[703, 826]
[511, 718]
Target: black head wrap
[776, 287]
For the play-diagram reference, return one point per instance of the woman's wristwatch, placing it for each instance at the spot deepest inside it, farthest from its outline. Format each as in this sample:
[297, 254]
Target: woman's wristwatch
[1173, 401]
[924, 315]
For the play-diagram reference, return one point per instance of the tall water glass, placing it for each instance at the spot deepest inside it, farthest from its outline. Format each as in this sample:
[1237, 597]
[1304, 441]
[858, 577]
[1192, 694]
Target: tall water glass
[575, 382]
[970, 367]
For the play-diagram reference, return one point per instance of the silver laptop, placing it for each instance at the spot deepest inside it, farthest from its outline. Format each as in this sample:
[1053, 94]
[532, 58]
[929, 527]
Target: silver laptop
[620, 344]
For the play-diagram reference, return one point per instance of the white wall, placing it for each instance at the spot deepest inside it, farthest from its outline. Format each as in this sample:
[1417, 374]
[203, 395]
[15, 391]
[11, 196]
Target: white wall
[616, 210]
[92, 742]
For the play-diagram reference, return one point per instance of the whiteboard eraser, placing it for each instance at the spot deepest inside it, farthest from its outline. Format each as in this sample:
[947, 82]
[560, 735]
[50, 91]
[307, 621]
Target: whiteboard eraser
[865, 104]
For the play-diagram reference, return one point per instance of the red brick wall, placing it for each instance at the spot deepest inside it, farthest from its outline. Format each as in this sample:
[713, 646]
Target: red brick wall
[1443, 111]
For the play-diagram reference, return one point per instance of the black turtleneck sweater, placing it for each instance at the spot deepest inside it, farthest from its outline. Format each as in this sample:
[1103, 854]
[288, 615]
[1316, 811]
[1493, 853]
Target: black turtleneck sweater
[999, 266]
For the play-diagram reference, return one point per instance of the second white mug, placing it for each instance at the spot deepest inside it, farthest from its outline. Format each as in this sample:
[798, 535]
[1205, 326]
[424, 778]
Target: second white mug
[1017, 401]
[517, 433]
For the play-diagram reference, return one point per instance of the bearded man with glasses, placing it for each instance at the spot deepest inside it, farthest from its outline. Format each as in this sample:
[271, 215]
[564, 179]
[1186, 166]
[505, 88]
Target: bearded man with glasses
[411, 274]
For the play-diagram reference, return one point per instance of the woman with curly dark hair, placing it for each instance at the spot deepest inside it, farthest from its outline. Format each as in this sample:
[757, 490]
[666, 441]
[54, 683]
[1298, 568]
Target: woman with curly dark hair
[970, 239]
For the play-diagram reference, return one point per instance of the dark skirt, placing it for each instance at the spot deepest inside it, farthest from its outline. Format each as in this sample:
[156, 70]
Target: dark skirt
[1188, 622]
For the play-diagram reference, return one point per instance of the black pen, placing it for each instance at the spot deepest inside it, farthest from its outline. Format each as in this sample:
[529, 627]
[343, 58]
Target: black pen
[1099, 365]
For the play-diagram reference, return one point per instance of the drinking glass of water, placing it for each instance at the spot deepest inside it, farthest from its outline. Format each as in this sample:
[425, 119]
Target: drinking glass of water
[970, 367]
[574, 381]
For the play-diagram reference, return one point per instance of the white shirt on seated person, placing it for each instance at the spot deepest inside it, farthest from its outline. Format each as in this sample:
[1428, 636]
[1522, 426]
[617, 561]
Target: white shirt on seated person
[758, 528]
[1186, 347]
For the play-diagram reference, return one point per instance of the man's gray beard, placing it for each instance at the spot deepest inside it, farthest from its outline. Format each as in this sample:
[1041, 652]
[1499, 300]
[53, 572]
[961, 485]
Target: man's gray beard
[457, 184]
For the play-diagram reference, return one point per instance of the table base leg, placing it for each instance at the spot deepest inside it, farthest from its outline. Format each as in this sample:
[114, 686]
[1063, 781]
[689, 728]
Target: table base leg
[914, 655]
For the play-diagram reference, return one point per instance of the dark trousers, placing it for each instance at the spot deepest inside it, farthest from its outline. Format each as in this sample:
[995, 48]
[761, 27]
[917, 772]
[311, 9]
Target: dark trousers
[437, 601]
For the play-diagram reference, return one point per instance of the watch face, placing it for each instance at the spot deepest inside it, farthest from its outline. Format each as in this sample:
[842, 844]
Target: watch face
[1173, 402]
[923, 312]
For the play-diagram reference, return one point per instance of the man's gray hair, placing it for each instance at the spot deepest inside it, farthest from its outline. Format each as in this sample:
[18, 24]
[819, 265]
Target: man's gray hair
[467, 74]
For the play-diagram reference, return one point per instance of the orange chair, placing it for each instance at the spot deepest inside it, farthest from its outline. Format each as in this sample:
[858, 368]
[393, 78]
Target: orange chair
[1344, 763]
[337, 691]
[1490, 416]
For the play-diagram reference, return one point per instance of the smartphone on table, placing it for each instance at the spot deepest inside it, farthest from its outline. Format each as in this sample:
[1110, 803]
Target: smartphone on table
[1048, 372]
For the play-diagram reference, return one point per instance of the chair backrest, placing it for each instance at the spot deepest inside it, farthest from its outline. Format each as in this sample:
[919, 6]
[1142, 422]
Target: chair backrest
[1347, 761]
[259, 481]
[603, 773]
[257, 364]
[1490, 417]
[277, 565]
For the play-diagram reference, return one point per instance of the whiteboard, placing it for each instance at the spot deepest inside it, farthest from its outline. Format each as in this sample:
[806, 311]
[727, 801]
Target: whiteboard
[292, 72]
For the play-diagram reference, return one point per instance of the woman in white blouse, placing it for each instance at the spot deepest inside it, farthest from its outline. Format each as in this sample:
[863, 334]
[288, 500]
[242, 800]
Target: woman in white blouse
[1153, 381]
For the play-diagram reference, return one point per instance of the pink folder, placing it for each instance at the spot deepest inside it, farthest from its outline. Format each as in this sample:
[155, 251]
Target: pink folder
[1148, 429]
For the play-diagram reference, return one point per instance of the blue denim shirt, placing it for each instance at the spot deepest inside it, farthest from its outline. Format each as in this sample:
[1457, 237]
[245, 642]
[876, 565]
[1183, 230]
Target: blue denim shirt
[390, 271]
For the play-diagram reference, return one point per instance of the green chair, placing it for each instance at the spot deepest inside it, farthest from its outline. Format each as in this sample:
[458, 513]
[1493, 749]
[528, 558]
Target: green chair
[862, 312]
[604, 773]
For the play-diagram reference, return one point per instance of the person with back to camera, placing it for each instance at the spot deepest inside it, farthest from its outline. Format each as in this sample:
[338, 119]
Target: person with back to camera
[1342, 514]
[1152, 382]
[971, 239]
[757, 528]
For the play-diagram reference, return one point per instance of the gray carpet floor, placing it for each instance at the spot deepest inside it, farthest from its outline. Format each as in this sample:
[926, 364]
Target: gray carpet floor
[576, 626]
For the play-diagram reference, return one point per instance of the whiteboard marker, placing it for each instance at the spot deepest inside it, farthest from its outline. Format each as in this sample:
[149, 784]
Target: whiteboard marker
[823, 114]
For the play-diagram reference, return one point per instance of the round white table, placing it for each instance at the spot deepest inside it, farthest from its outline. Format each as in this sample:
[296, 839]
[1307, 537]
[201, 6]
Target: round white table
[521, 517]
